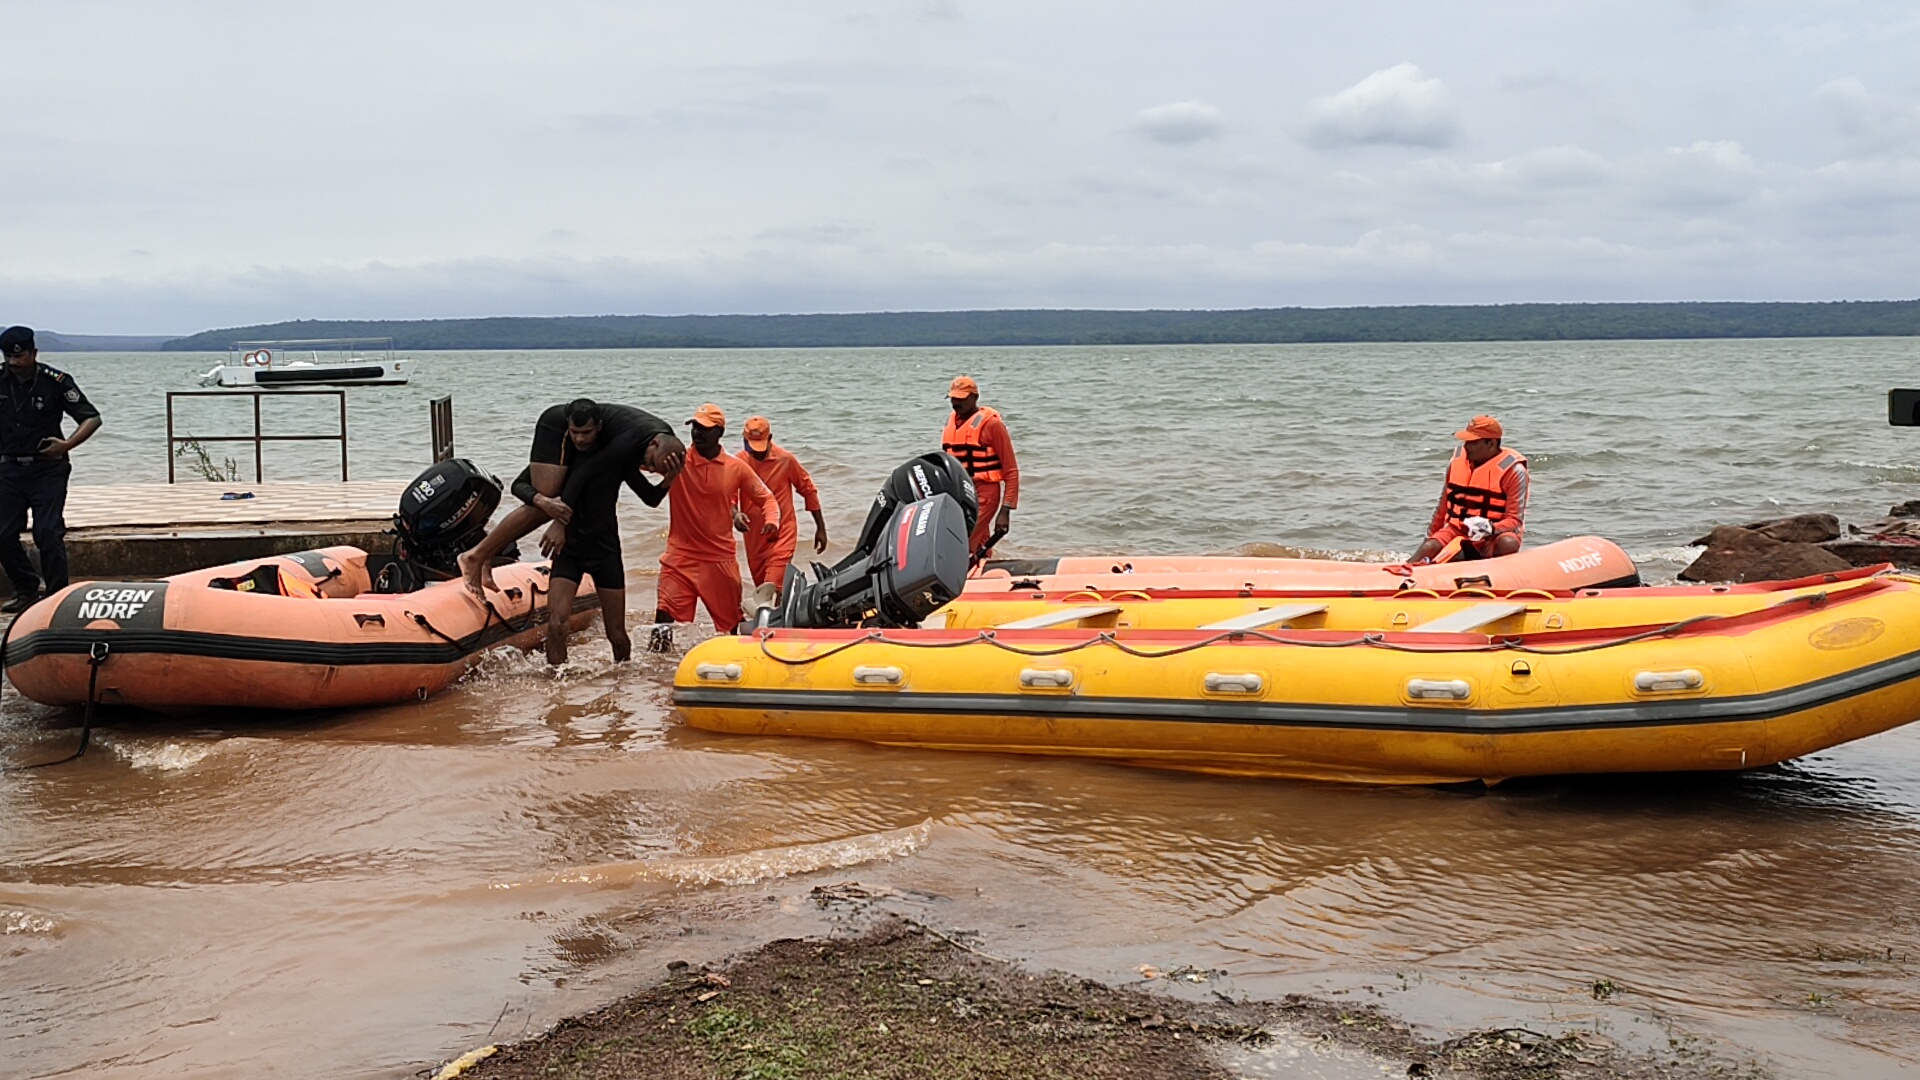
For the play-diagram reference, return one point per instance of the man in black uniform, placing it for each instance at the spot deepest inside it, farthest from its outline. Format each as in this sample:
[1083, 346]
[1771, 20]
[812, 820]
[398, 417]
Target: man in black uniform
[33, 465]
[565, 439]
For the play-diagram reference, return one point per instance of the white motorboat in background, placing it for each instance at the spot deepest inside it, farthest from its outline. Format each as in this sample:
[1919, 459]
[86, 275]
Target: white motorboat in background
[317, 362]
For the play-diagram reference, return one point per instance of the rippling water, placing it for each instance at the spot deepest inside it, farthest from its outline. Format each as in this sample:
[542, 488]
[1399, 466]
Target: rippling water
[363, 894]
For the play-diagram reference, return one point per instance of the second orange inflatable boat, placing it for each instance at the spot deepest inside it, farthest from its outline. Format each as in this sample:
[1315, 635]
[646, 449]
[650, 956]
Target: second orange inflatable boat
[1583, 562]
[303, 631]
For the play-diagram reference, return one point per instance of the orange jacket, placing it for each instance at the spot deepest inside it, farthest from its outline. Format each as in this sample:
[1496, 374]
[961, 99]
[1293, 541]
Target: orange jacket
[783, 474]
[1496, 490]
[701, 502]
[982, 444]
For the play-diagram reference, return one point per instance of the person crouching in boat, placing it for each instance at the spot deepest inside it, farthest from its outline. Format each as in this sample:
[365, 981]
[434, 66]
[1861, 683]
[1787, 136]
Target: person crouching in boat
[575, 445]
[714, 493]
[1483, 505]
[767, 558]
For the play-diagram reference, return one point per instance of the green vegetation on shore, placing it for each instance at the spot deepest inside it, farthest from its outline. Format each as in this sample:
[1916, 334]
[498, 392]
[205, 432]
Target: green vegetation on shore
[1504, 322]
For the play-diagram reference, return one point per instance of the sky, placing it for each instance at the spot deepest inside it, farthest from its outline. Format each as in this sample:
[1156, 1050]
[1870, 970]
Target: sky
[182, 165]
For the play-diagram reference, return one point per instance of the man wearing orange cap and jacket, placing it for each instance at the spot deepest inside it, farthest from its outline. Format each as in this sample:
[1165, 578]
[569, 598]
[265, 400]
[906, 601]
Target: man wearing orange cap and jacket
[978, 437]
[713, 489]
[1483, 506]
[783, 474]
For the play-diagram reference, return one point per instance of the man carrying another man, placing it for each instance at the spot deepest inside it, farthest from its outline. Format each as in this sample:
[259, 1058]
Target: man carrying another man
[713, 494]
[575, 445]
[978, 437]
[783, 474]
[1483, 505]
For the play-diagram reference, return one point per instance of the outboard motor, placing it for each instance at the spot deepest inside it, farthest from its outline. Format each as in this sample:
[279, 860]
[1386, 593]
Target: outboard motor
[443, 513]
[910, 560]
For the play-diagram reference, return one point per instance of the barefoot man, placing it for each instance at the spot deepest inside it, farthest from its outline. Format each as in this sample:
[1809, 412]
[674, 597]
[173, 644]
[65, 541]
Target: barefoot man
[592, 550]
[566, 441]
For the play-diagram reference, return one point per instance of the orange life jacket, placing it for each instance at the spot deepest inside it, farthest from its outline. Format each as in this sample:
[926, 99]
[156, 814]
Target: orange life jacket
[1478, 492]
[962, 440]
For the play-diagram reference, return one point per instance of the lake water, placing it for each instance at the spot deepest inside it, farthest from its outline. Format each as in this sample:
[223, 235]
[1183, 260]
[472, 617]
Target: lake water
[365, 894]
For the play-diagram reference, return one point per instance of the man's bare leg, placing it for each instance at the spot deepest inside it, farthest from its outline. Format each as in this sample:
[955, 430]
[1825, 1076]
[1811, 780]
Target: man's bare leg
[477, 565]
[560, 593]
[613, 616]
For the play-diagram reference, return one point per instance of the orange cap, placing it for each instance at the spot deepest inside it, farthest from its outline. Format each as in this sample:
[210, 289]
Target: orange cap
[1480, 427]
[759, 432]
[709, 415]
[963, 386]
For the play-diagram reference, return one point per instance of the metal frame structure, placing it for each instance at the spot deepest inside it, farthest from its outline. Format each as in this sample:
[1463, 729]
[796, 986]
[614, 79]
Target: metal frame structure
[258, 439]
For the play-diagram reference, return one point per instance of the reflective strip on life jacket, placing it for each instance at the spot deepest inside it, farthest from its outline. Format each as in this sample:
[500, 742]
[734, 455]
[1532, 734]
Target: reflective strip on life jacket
[1479, 492]
[962, 440]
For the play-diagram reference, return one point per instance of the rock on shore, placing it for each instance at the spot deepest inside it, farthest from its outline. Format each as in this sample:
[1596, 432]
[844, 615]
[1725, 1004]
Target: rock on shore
[1804, 545]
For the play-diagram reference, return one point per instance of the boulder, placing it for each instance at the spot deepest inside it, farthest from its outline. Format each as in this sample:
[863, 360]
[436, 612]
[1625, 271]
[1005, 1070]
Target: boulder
[1740, 554]
[1798, 529]
[1908, 509]
[1790, 561]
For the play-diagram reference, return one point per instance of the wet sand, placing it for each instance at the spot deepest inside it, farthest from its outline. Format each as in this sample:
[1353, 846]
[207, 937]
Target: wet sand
[899, 999]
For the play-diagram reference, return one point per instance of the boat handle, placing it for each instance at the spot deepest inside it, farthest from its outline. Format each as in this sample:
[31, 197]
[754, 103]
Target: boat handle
[718, 672]
[1221, 682]
[1438, 689]
[878, 676]
[1046, 678]
[1659, 682]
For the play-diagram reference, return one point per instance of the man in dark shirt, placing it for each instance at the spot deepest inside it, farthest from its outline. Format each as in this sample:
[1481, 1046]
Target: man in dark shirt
[34, 469]
[592, 550]
[565, 439]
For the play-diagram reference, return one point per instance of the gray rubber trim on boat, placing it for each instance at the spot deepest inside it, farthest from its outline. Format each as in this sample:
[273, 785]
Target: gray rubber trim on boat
[1437, 717]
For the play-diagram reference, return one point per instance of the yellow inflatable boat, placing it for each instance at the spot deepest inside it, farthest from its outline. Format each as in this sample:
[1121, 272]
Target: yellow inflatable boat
[1400, 689]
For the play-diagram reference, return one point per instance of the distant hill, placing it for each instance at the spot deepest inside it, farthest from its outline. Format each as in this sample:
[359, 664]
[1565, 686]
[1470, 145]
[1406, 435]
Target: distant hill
[1504, 322]
[48, 341]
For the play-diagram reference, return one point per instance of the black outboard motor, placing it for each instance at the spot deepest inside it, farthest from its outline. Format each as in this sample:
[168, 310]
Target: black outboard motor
[443, 513]
[911, 558]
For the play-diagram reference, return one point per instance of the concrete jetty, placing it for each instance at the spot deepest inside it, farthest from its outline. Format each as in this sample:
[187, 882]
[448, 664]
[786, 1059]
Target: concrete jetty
[152, 530]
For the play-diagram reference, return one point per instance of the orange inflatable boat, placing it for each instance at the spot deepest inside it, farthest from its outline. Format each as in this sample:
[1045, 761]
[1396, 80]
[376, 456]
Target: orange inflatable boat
[302, 631]
[1583, 562]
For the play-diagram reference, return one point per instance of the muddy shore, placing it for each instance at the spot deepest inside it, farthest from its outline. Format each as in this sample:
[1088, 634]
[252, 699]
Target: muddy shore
[898, 998]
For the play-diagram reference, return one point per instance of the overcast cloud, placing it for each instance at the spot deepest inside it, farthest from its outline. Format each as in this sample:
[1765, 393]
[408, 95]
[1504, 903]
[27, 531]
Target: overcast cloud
[177, 166]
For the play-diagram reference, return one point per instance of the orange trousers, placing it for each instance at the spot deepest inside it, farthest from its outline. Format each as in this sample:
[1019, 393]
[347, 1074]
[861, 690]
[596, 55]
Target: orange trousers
[989, 496]
[768, 562]
[715, 584]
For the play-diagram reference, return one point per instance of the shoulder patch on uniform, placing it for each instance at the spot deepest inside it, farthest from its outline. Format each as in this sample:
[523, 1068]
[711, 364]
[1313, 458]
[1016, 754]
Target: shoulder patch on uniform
[73, 395]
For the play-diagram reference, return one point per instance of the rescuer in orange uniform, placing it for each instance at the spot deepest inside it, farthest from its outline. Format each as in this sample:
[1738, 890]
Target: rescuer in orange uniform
[783, 474]
[713, 490]
[1483, 506]
[978, 437]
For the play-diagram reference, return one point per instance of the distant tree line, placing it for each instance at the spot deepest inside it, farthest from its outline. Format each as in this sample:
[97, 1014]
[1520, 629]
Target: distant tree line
[1503, 322]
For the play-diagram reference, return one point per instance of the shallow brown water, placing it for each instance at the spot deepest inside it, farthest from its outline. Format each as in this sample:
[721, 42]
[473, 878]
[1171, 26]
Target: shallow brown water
[364, 895]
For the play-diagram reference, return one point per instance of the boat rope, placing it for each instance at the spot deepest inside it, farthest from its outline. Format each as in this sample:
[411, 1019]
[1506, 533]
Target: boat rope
[1371, 639]
[421, 620]
[96, 656]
